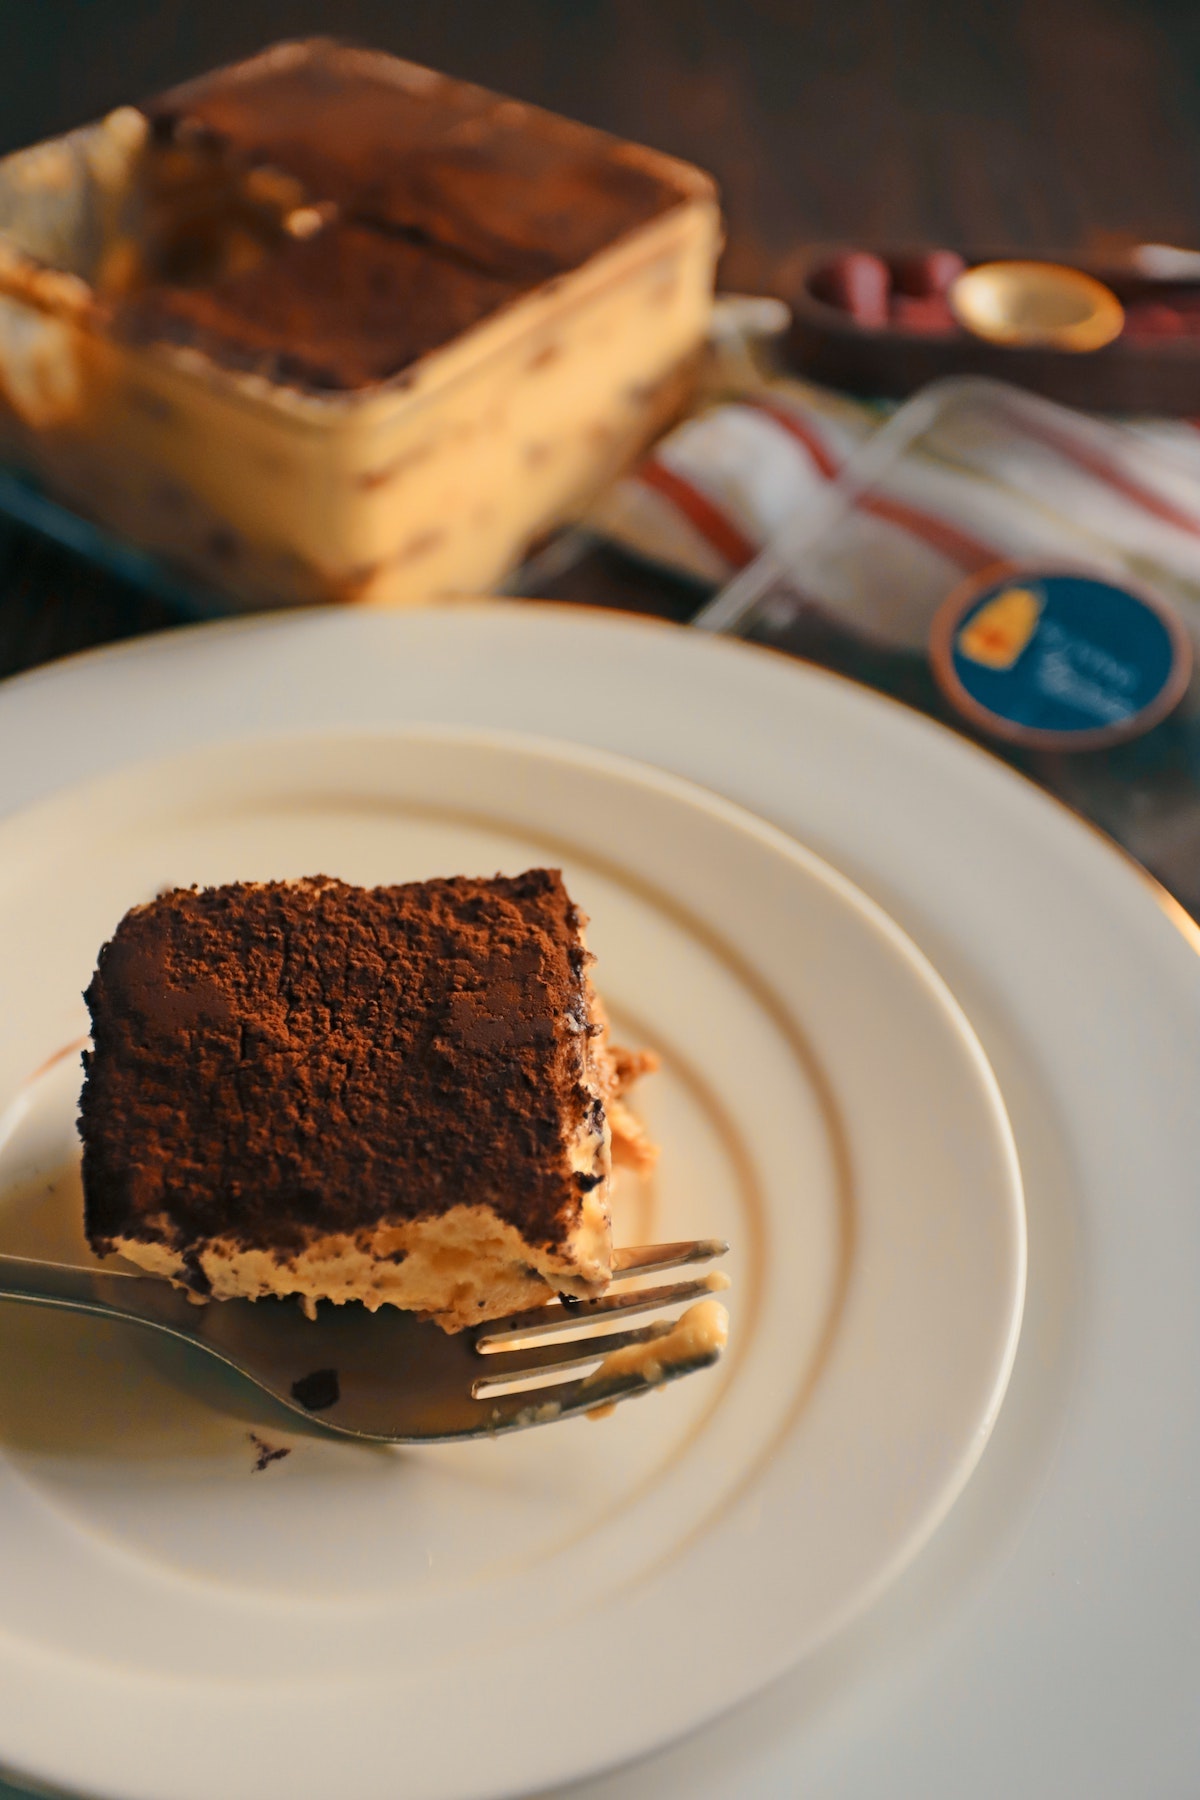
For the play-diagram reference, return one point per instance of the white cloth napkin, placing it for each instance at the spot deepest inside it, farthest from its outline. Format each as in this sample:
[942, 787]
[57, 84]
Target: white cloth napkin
[754, 462]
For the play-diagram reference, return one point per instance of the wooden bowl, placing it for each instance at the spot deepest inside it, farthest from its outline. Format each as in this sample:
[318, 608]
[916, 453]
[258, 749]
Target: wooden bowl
[1152, 367]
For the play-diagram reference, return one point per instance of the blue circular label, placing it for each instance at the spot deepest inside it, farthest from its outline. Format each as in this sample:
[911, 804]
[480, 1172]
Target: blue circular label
[1062, 657]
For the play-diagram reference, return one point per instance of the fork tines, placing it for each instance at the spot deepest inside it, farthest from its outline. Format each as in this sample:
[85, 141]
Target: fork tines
[504, 1347]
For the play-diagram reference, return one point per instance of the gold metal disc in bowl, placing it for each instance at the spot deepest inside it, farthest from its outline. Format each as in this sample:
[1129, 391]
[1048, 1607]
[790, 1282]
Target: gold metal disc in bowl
[1034, 304]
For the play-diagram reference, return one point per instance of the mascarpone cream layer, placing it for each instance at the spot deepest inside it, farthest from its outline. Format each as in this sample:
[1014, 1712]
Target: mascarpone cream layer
[463, 1267]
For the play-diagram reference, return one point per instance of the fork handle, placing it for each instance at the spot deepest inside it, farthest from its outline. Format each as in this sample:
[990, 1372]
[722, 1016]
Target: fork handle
[143, 1299]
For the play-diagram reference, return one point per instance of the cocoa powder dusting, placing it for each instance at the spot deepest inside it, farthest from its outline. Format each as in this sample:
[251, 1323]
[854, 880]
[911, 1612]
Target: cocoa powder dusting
[272, 1061]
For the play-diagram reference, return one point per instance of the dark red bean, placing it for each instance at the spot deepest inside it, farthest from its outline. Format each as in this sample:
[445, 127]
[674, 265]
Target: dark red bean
[929, 273]
[1152, 319]
[859, 284]
[928, 317]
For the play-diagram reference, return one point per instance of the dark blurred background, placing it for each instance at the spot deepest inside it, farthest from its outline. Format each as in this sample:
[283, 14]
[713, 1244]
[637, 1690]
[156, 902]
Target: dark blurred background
[993, 125]
[996, 123]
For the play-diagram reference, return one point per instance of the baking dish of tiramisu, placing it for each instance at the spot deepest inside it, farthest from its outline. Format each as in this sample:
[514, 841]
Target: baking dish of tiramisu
[326, 325]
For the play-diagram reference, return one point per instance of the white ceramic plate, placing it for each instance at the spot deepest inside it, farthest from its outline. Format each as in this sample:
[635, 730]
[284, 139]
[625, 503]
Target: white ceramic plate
[1044, 1641]
[822, 1103]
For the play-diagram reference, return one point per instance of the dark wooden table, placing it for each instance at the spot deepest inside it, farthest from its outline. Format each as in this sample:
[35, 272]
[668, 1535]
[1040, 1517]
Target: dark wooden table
[1019, 123]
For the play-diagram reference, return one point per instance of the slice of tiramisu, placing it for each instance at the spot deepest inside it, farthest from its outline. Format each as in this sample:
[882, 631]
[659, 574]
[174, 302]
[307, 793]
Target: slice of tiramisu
[401, 1094]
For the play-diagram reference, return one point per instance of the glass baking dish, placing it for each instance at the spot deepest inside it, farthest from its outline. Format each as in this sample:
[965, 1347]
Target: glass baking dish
[277, 491]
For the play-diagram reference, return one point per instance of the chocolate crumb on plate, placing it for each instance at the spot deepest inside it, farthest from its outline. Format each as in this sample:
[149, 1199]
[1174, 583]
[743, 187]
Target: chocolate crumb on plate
[267, 1453]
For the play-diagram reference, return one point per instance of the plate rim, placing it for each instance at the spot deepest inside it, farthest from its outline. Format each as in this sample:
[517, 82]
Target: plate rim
[123, 651]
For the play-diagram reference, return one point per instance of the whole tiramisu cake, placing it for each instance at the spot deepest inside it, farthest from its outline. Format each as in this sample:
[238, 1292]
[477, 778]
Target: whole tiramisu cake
[400, 1094]
[328, 325]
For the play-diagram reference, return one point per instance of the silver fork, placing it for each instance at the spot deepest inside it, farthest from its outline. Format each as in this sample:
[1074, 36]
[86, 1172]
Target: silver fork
[388, 1376]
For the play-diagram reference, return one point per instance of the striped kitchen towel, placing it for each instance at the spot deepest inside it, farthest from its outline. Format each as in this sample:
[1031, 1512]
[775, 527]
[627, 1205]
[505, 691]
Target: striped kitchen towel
[766, 459]
[835, 530]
